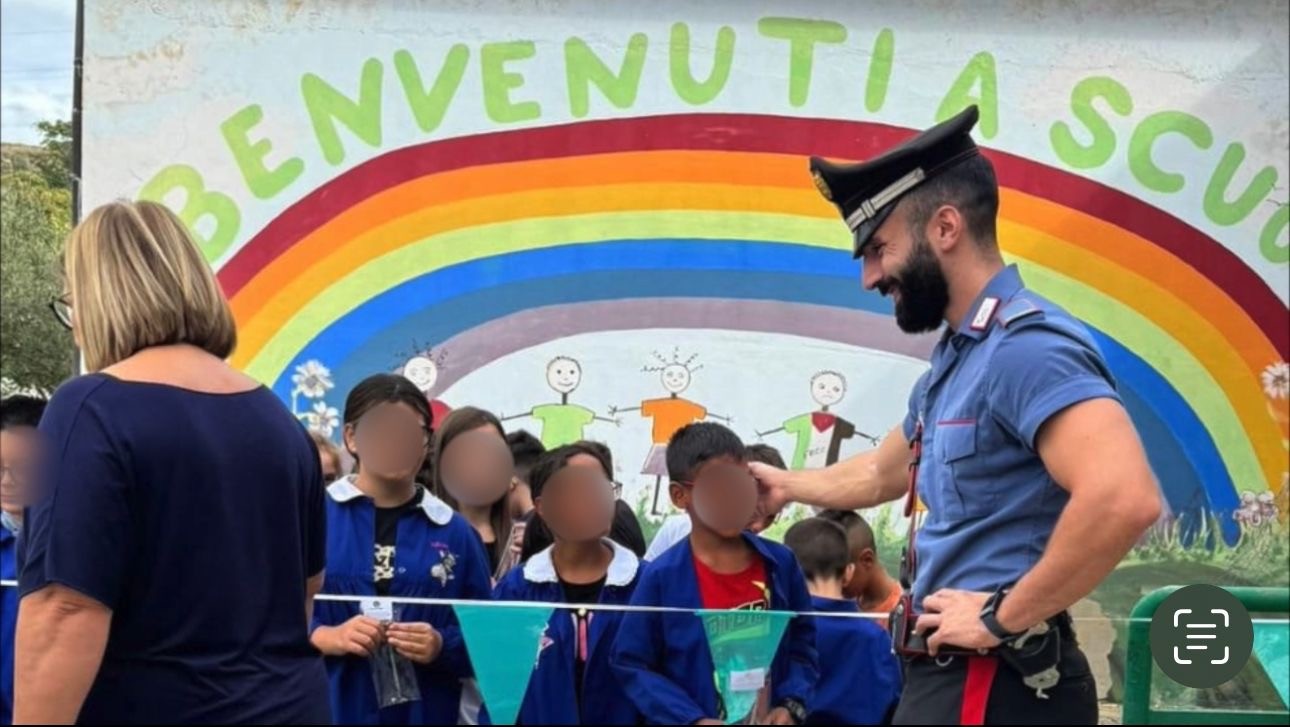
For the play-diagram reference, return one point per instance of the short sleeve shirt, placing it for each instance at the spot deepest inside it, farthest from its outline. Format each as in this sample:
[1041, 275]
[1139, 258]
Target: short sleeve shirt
[1015, 362]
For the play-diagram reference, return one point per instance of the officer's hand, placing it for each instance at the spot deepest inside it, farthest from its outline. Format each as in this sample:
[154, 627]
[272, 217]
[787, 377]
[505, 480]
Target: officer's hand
[771, 493]
[418, 642]
[358, 636]
[710, 721]
[955, 618]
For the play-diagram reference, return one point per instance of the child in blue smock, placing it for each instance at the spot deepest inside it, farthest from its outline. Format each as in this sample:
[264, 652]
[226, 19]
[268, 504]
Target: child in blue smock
[388, 537]
[663, 660]
[862, 682]
[572, 683]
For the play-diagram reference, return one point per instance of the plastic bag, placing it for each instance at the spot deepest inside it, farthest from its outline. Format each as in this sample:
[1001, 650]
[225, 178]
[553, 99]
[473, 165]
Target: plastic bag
[394, 676]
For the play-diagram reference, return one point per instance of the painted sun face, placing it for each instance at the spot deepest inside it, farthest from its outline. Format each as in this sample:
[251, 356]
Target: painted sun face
[828, 389]
[564, 375]
[421, 371]
[676, 378]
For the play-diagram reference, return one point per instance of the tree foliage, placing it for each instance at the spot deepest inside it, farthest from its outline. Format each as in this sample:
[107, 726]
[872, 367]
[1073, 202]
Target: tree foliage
[35, 217]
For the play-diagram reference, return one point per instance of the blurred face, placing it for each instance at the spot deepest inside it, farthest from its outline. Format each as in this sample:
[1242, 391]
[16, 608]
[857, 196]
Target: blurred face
[899, 262]
[564, 375]
[18, 452]
[577, 503]
[390, 441]
[477, 467]
[722, 496]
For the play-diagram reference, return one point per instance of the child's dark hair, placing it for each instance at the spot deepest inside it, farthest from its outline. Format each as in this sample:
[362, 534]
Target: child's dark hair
[555, 460]
[820, 546]
[859, 534]
[526, 450]
[21, 411]
[388, 389]
[695, 444]
[458, 422]
[766, 454]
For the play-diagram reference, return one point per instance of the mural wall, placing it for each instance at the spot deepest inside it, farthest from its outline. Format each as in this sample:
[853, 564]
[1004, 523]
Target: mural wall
[596, 219]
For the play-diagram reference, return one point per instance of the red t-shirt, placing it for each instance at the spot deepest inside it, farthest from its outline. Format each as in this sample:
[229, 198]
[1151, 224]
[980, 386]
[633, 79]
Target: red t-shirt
[746, 590]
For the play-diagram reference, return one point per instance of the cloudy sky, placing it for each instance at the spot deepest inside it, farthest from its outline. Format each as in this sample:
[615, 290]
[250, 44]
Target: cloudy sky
[36, 46]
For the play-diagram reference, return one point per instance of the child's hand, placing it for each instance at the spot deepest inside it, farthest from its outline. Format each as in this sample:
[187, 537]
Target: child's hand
[418, 642]
[358, 636]
[779, 715]
[709, 721]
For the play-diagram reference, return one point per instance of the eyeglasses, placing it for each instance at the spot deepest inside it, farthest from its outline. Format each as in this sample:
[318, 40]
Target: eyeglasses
[62, 308]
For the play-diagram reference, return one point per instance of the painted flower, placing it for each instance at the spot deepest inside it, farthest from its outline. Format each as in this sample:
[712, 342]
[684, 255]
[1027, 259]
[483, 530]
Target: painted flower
[323, 419]
[1282, 499]
[312, 379]
[1249, 513]
[1276, 380]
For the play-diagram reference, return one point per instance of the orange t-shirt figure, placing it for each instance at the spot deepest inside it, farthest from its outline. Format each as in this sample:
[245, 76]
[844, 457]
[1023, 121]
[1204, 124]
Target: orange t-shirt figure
[669, 415]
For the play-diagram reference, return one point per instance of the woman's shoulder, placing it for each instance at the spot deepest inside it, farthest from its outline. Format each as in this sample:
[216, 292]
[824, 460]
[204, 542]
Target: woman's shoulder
[71, 397]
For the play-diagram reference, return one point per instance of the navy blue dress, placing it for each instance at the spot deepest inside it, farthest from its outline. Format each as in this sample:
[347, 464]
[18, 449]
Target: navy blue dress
[197, 519]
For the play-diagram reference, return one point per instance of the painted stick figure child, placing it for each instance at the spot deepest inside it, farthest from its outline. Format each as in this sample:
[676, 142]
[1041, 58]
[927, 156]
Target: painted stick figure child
[669, 414]
[820, 433]
[422, 369]
[562, 423]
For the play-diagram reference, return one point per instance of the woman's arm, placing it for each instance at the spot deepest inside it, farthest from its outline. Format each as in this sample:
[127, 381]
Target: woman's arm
[61, 637]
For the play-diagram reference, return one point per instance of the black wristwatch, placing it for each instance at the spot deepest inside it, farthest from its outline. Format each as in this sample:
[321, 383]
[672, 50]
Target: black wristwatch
[989, 617]
[795, 709]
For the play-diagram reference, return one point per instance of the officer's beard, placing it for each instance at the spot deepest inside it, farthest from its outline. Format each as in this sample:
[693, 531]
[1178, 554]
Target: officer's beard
[924, 291]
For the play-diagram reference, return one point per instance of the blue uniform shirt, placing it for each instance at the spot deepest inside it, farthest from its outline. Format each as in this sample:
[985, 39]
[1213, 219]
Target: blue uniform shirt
[663, 660]
[1014, 362]
[551, 698]
[437, 555]
[859, 675]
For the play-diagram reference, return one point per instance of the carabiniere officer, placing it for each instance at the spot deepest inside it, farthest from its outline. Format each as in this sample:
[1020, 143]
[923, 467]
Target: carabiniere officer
[1034, 479]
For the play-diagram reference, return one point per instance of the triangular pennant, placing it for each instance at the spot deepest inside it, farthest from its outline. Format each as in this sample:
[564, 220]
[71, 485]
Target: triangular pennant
[743, 645]
[1272, 647]
[502, 642]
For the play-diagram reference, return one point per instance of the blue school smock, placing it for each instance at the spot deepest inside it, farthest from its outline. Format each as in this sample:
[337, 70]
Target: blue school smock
[8, 620]
[861, 683]
[551, 698]
[438, 555]
[663, 661]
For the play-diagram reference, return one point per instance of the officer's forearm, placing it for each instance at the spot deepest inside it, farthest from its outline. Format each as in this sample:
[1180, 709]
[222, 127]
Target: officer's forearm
[864, 480]
[1095, 531]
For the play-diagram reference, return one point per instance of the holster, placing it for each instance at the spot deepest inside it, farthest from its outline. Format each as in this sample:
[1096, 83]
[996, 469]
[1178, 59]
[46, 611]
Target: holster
[906, 643]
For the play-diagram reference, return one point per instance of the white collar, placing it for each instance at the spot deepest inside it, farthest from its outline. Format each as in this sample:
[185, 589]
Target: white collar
[344, 490]
[622, 568]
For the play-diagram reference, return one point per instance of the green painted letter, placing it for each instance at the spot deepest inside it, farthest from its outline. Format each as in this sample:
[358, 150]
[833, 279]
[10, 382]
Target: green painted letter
[326, 106]
[1099, 151]
[697, 93]
[262, 181]
[802, 36]
[498, 82]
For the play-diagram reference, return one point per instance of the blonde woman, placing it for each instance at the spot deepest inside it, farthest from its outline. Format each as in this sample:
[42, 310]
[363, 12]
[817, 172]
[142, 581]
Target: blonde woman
[178, 534]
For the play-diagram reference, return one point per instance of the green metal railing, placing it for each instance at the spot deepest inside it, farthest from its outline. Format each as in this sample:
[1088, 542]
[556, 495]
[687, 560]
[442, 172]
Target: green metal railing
[1138, 670]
